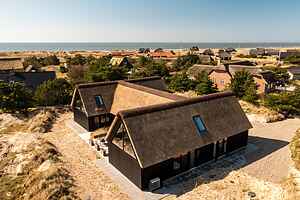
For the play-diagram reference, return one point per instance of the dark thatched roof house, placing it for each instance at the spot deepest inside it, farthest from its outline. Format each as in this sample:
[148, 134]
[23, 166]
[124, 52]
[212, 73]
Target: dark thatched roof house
[155, 135]
[8, 64]
[31, 79]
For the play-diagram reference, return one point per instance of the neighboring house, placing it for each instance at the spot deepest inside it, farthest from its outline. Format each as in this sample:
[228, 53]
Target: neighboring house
[31, 79]
[155, 135]
[223, 55]
[162, 54]
[290, 52]
[205, 59]
[209, 52]
[294, 72]
[196, 69]
[221, 78]
[272, 52]
[120, 62]
[257, 52]
[11, 64]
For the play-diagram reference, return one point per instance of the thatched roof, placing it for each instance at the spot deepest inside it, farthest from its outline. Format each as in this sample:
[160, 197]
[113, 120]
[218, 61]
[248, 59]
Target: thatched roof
[196, 69]
[120, 95]
[11, 64]
[237, 68]
[163, 131]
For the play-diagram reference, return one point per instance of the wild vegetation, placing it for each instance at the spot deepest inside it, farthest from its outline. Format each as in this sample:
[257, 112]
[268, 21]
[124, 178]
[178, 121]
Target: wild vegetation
[53, 92]
[15, 96]
[244, 87]
[182, 83]
[37, 63]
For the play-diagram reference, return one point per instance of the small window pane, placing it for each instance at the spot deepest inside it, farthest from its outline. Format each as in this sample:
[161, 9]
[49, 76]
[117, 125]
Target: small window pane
[199, 124]
[99, 101]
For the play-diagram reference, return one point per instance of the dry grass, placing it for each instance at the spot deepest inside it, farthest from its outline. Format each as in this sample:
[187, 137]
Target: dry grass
[42, 174]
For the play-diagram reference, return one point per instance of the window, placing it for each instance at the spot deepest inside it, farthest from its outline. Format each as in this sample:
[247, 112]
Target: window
[199, 124]
[99, 101]
[122, 141]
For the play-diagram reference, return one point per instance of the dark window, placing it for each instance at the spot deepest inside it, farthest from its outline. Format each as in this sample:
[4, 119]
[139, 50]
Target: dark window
[122, 140]
[99, 101]
[199, 124]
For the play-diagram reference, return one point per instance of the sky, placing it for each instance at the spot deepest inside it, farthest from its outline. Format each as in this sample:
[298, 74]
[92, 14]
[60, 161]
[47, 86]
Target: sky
[149, 21]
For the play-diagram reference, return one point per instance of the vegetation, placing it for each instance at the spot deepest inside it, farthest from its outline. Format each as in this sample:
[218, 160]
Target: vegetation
[295, 59]
[101, 70]
[278, 78]
[295, 149]
[181, 83]
[205, 85]
[284, 102]
[53, 92]
[146, 67]
[37, 63]
[244, 87]
[14, 96]
[184, 62]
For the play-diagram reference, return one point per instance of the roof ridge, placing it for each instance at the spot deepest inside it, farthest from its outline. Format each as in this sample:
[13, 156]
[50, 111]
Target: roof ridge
[83, 85]
[170, 105]
[152, 91]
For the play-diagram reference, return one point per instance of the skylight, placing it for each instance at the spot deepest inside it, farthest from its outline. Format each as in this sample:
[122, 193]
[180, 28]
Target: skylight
[99, 101]
[199, 124]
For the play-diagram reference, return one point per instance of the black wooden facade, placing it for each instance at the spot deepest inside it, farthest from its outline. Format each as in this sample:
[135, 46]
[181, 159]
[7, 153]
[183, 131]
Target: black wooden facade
[130, 167]
[94, 122]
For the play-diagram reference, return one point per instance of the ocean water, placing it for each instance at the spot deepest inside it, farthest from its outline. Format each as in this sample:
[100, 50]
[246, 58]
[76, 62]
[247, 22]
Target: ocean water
[129, 46]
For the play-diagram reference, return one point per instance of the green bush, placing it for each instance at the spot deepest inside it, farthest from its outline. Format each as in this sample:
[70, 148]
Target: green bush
[284, 102]
[184, 62]
[181, 82]
[244, 86]
[205, 85]
[146, 67]
[53, 92]
[15, 96]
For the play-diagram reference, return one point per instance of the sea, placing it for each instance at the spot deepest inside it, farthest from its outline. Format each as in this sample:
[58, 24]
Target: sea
[108, 46]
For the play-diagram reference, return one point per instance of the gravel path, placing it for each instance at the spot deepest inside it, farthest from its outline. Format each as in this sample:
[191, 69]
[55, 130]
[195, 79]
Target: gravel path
[271, 160]
[80, 160]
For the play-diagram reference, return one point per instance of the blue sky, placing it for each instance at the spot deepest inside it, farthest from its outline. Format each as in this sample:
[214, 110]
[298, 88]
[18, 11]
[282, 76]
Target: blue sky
[150, 21]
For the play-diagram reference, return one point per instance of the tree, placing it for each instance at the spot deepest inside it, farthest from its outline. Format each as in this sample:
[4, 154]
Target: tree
[181, 82]
[53, 92]
[77, 60]
[33, 61]
[50, 60]
[76, 73]
[244, 86]
[148, 67]
[279, 77]
[101, 70]
[15, 96]
[184, 62]
[205, 85]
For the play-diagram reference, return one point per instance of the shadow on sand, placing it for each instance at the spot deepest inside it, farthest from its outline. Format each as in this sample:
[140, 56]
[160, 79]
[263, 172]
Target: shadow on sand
[256, 149]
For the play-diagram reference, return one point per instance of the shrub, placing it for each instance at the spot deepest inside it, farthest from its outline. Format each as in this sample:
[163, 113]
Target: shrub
[244, 86]
[204, 84]
[284, 102]
[181, 83]
[15, 96]
[53, 92]
[184, 62]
